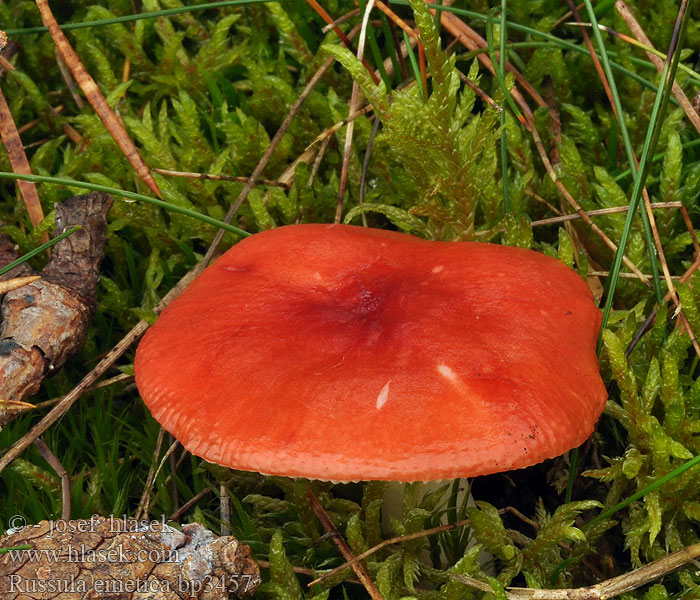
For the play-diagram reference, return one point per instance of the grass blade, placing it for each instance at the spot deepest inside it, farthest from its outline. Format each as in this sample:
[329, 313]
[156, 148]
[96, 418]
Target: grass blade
[655, 124]
[38, 250]
[631, 158]
[414, 64]
[136, 17]
[125, 194]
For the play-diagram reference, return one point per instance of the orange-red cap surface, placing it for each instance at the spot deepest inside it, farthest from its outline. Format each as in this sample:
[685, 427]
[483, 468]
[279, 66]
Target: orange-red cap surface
[343, 353]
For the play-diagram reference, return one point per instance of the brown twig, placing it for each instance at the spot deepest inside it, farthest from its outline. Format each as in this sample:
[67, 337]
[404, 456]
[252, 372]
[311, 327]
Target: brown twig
[56, 465]
[395, 540]
[19, 162]
[691, 229]
[600, 591]
[189, 504]
[95, 98]
[342, 545]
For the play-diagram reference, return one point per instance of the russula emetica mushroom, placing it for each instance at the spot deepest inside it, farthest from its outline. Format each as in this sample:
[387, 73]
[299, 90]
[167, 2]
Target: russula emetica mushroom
[343, 353]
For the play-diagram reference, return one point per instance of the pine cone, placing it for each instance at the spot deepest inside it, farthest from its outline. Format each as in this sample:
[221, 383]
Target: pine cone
[124, 559]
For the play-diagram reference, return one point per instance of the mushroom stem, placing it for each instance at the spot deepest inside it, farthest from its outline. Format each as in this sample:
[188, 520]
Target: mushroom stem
[392, 507]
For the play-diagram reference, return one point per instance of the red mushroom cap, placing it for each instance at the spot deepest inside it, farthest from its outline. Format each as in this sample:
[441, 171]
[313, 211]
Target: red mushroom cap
[342, 353]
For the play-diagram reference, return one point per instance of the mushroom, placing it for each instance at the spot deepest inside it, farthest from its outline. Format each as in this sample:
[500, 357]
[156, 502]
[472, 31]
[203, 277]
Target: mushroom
[343, 353]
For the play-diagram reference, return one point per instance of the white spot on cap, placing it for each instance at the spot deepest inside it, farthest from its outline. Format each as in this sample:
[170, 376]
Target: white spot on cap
[438, 268]
[447, 373]
[455, 380]
[383, 395]
[317, 276]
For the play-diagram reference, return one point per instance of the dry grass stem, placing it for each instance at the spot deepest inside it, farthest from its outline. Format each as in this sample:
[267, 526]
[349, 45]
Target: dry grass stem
[639, 32]
[667, 276]
[5, 64]
[471, 40]
[625, 275]
[479, 92]
[641, 35]
[339, 125]
[31, 124]
[567, 16]
[144, 506]
[340, 20]
[126, 70]
[652, 315]
[70, 82]
[265, 564]
[318, 159]
[221, 177]
[354, 99]
[577, 207]
[602, 211]
[102, 384]
[56, 465]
